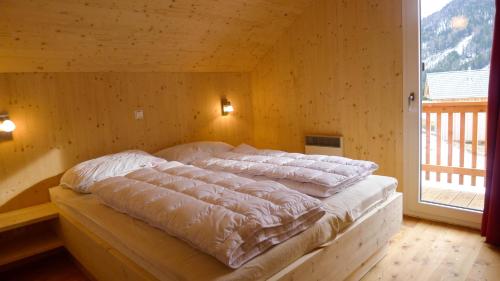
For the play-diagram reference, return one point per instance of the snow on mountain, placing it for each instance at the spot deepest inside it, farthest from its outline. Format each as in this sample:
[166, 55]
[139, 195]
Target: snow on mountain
[459, 36]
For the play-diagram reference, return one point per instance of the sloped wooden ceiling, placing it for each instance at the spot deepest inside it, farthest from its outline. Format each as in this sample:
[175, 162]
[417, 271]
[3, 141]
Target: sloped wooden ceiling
[132, 35]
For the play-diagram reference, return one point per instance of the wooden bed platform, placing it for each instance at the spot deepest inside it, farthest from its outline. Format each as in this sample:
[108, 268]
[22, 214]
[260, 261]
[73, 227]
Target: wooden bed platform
[349, 256]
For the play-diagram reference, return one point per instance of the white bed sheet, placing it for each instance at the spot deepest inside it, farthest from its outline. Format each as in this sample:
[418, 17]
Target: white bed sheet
[168, 258]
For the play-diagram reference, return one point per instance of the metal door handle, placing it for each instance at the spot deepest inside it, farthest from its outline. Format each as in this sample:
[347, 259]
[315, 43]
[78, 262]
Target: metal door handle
[411, 98]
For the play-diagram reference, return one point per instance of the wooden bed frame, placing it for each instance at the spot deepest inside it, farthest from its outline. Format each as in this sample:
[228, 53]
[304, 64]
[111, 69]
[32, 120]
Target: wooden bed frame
[348, 257]
[355, 251]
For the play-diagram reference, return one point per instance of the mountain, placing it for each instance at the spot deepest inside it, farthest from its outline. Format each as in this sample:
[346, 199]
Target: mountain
[459, 36]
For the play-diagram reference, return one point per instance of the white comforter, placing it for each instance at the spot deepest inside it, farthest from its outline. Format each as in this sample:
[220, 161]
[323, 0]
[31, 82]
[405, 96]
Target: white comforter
[231, 218]
[316, 175]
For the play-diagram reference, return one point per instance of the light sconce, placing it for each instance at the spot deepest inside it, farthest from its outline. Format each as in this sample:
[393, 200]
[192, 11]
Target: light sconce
[6, 127]
[226, 106]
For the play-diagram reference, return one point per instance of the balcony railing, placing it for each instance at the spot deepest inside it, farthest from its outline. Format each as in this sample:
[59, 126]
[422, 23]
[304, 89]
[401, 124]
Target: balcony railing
[464, 135]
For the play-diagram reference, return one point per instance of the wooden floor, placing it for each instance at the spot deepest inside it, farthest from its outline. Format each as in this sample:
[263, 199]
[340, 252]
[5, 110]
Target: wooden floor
[459, 198]
[422, 250]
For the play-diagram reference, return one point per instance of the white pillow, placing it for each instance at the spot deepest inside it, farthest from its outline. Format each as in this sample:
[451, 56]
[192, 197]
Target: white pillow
[189, 152]
[83, 175]
[245, 149]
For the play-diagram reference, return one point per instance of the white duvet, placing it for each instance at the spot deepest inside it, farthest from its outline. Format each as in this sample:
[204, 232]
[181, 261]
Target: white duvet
[316, 175]
[229, 217]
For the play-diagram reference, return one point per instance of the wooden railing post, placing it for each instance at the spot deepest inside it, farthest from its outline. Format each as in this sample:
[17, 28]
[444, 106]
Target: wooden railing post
[450, 143]
[462, 145]
[438, 145]
[474, 145]
[427, 142]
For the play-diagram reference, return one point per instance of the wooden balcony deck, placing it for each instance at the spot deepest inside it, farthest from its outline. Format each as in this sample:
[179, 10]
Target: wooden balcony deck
[459, 198]
[453, 153]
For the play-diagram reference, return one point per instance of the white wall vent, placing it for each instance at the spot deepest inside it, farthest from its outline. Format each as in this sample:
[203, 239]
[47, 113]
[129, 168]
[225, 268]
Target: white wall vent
[325, 145]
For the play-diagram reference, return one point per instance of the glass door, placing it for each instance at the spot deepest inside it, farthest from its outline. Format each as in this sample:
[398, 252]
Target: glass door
[455, 48]
[447, 46]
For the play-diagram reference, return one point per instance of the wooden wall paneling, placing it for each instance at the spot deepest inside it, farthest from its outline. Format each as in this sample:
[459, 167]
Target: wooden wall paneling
[66, 118]
[337, 70]
[140, 36]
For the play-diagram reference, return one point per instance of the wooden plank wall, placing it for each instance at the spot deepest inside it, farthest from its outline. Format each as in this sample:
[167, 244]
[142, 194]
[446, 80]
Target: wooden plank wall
[65, 118]
[140, 36]
[337, 70]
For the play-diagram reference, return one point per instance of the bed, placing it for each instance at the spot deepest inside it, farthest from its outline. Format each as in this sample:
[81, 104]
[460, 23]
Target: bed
[114, 246]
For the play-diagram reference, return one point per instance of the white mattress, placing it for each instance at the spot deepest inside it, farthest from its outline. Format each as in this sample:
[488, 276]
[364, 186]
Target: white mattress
[168, 258]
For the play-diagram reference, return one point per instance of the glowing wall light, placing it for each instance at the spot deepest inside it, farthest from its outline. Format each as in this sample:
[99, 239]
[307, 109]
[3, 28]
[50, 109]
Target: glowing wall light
[226, 106]
[6, 127]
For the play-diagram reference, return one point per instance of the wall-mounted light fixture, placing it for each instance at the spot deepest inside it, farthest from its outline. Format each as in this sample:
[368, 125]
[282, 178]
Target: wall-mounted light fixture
[6, 127]
[226, 106]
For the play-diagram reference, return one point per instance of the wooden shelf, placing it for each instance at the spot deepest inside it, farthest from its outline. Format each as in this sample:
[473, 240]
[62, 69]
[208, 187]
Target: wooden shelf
[28, 244]
[28, 232]
[27, 216]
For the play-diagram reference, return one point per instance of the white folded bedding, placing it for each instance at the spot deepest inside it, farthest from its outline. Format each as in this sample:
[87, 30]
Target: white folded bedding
[229, 217]
[316, 175]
